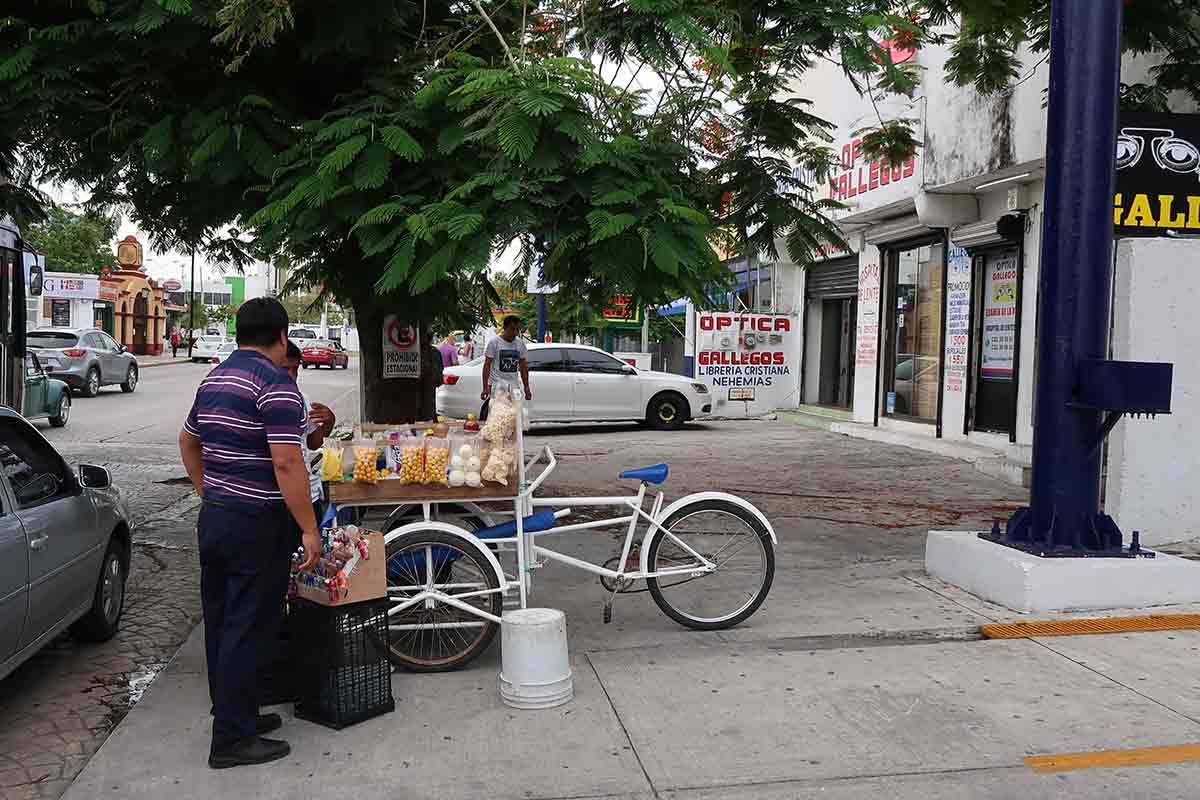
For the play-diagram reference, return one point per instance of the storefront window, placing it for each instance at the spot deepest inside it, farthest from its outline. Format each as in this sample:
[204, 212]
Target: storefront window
[915, 333]
[60, 313]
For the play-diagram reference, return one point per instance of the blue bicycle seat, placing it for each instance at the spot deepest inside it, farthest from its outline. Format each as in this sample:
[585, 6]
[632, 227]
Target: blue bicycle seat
[656, 474]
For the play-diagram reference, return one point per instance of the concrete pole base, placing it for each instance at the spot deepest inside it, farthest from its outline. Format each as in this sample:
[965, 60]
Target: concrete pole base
[1029, 583]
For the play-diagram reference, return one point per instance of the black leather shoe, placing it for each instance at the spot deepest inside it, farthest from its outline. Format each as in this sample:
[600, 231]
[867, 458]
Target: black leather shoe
[255, 750]
[265, 723]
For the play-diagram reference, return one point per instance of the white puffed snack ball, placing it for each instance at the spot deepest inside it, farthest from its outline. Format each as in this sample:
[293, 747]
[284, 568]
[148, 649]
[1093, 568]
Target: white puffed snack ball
[473, 479]
[473, 464]
[457, 462]
[457, 477]
[466, 451]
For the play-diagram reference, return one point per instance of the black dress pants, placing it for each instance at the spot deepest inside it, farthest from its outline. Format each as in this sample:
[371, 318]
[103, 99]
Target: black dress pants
[244, 565]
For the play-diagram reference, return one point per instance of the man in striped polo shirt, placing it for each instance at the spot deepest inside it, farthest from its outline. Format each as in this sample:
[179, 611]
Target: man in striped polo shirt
[241, 445]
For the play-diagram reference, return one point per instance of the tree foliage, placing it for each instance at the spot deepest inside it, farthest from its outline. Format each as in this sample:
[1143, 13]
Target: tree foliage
[72, 241]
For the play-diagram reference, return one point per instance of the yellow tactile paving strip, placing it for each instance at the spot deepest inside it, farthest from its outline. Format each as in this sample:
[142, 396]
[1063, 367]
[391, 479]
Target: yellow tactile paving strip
[1141, 756]
[1085, 627]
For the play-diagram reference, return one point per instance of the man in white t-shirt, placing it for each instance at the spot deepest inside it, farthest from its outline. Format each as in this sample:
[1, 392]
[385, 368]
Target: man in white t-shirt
[504, 360]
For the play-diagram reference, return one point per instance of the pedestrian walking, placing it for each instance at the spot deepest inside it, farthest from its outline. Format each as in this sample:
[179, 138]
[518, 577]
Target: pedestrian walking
[505, 358]
[467, 351]
[318, 424]
[242, 447]
[174, 342]
[449, 351]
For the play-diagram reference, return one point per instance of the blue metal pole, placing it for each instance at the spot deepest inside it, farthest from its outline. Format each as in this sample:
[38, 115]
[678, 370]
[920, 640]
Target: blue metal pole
[1075, 277]
[541, 335]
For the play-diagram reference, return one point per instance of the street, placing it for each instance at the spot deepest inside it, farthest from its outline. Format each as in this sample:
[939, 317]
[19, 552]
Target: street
[61, 704]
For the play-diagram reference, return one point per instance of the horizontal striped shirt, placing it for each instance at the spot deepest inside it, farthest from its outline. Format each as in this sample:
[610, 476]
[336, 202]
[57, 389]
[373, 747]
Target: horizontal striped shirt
[245, 405]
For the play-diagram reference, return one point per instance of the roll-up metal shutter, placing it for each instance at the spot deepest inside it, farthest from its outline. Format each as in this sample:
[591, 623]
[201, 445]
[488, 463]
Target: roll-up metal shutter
[832, 279]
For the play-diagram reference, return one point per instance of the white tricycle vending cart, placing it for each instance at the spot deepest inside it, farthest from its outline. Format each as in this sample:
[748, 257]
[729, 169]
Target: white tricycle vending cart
[458, 555]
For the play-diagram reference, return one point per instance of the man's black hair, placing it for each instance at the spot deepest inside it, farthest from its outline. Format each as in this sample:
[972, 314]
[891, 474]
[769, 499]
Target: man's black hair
[260, 322]
[514, 319]
[293, 352]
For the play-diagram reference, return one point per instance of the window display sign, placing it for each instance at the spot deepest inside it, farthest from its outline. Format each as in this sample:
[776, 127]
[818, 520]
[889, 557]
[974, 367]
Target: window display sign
[622, 309]
[401, 349]
[958, 318]
[1158, 174]
[999, 317]
[867, 336]
[750, 362]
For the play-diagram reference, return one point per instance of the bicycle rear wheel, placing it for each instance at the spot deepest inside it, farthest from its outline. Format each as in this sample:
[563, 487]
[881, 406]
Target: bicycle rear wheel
[729, 537]
[432, 635]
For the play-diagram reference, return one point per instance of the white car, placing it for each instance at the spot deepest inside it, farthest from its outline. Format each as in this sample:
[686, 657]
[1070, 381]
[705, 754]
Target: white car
[207, 348]
[575, 383]
[225, 351]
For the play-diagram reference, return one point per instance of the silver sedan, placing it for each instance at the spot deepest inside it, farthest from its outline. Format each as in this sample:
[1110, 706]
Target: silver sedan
[64, 546]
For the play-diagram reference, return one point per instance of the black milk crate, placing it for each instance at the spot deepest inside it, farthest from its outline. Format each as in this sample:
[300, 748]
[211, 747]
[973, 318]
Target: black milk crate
[342, 673]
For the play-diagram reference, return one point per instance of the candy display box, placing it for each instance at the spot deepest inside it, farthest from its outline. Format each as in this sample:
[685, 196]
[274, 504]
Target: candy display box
[352, 569]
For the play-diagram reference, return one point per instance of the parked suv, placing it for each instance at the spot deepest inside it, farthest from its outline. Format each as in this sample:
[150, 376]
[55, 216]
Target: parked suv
[85, 359]
[64, 546]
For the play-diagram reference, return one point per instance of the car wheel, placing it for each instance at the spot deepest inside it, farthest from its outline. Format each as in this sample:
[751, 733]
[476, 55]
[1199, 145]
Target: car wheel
[91, 383]
[64, 411]
[131, 379]
[667, 412]
[104, 617]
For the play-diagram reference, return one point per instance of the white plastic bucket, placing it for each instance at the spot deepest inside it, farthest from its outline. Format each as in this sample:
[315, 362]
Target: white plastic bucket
[535, 670]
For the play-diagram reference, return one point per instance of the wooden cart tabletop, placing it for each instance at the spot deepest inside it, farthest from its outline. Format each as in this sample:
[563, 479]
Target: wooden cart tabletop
[393, 491]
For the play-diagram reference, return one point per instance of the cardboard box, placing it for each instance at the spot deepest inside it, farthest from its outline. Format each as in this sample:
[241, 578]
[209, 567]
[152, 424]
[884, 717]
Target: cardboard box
[366, 578]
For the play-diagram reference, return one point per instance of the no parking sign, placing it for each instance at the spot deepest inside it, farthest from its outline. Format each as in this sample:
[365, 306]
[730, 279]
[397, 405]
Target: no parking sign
[401, 349]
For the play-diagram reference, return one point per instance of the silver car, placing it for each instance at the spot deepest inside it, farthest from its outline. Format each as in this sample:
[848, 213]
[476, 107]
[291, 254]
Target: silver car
[84, 358]
[64, 546]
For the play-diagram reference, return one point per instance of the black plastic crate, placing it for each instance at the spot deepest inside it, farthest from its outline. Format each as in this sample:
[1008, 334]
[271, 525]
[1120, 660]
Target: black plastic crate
[342, 675]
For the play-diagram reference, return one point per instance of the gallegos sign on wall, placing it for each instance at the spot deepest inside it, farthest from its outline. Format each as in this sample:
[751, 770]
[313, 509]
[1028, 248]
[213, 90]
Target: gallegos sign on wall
[1158, 174]
[749, 362]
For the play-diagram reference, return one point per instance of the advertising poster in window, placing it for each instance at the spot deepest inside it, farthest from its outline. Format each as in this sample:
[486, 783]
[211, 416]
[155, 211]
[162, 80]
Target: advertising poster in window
[999, 317]
[867, 338]
[958, 318]
[749, 362]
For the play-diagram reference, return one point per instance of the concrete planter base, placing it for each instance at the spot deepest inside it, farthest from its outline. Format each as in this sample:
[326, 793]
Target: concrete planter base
[1025, 582]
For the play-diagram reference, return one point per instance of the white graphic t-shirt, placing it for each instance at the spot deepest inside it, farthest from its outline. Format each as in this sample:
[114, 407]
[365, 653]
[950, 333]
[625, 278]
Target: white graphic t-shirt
[506, 361]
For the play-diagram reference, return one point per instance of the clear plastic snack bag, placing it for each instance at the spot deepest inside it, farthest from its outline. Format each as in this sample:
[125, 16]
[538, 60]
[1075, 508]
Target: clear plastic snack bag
[366, 456]
[437, 460]
[412, 458]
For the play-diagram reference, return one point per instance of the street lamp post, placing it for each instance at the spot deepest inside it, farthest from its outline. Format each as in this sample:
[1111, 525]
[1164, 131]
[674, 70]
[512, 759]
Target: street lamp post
[192, 306]
[1080, 395]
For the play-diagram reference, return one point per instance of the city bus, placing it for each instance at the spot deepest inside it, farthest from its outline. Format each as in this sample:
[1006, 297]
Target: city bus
[12, 314]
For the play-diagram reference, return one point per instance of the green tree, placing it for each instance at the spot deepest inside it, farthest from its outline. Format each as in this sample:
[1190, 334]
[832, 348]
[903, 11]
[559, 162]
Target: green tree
[389, 148]
[74, 242]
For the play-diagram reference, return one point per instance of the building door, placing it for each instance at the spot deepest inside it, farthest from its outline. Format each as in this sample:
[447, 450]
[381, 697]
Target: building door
[996, 276]
[913, 356]
[141, 323]
[835, 382]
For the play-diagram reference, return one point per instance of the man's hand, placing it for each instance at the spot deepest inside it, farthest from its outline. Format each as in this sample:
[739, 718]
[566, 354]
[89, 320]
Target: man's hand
[484, 395]
[322, 415]
[312, 549]
[528, 394]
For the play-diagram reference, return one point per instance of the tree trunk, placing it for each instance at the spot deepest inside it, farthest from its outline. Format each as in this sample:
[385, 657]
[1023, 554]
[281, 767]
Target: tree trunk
[399, 400]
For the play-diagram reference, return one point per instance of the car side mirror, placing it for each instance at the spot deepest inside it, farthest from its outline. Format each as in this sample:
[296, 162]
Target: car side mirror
[41, 487]
[121, 348]
[93, 477]
[628, 370]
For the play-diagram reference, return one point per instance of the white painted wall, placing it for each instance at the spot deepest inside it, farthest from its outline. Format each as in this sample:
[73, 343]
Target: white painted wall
[1154, 465]
[812, 351]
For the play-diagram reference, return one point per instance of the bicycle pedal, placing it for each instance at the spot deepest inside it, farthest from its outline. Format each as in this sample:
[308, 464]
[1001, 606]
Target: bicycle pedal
[607, 612]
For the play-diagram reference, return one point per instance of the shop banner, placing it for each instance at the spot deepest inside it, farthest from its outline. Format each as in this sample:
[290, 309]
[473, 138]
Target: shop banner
[867, 339]
[999, 317]
[71, 286]
[749, 362]
[401, 349]
[958, 318]
[1158, 174]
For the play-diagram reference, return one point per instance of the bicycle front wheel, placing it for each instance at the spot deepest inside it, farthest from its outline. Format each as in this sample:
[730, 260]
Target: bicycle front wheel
[432, 635]
[733, 583]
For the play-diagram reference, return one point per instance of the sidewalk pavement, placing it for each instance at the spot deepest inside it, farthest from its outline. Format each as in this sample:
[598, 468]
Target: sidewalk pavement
[163, 360]
[868, 683]
[859, 677]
